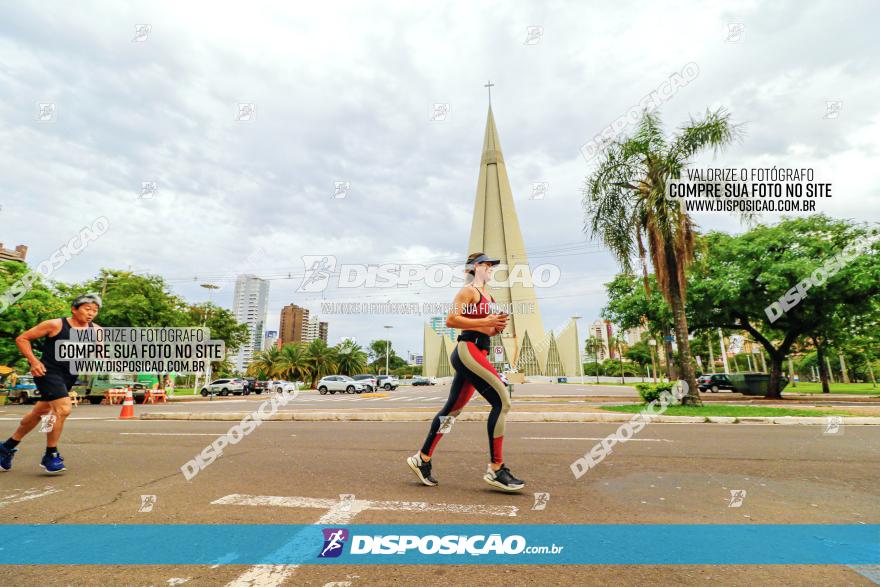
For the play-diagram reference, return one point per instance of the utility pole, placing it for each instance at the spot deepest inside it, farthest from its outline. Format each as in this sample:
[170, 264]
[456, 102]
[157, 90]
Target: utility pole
[387, 352]
[723, 353]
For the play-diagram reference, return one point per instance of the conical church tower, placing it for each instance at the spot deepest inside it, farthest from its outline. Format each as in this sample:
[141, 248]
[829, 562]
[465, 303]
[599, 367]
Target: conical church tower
[495, 231]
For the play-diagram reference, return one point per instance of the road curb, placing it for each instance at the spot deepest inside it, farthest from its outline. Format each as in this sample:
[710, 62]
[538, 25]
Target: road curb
[512, 417]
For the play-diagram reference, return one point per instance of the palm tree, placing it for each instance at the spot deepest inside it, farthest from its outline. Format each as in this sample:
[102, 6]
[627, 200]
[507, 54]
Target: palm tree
[593, 345]
[321, 360]
[293, 363]
[351, 359]
[264, 363]
[616, 342]
[627, 208]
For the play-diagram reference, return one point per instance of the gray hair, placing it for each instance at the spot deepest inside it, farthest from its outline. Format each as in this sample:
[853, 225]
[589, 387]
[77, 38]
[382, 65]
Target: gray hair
[89, 298]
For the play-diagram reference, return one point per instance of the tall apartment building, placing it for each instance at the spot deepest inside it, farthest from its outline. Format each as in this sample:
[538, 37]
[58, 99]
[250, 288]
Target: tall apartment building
[315, 329]
[19, 254]
[294, 321]
[601, 331]
[297, 326]
[249, 304]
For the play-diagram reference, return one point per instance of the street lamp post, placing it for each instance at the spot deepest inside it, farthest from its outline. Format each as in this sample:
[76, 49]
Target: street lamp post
[210, 287]
[578, 341]
[387, 351]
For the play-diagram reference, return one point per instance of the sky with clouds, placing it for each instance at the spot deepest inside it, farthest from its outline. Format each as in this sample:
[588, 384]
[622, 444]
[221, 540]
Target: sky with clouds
[345, 92]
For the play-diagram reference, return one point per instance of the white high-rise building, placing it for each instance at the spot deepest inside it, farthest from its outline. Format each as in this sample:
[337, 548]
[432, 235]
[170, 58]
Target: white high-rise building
[601, 331]
[250, 303]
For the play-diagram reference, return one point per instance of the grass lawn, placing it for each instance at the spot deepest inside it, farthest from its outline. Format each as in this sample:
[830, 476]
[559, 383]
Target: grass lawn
[854, 388]
[727, 410]
[179, 391]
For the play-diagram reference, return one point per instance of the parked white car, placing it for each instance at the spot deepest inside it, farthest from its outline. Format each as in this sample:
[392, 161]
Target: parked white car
[223, 387]
[340, 383]
[369, 381]
[279, 386]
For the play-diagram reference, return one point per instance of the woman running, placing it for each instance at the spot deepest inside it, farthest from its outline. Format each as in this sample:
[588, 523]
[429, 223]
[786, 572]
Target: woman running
[472, 313]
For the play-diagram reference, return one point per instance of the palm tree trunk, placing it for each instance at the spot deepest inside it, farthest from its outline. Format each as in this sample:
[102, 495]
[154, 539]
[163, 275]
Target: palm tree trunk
[667, 352]
[844, 375]
[692, 398]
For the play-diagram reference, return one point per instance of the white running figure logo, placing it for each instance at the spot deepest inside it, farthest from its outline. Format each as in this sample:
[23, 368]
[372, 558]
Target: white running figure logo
[335, 539]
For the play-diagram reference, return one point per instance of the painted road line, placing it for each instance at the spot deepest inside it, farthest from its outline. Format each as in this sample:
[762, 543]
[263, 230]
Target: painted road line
[27, 495]
[171, 433]
[341, 512]
[592, 438]
[402, 506]
[338, 513]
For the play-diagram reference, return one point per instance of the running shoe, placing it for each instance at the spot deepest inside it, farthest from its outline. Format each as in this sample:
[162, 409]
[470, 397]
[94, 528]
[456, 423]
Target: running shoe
[6, 455]
[503, 479]
[422, 469]
[54, 464]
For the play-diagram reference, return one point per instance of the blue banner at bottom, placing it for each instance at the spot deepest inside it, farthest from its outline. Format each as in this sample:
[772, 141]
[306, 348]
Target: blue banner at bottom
[419, 544]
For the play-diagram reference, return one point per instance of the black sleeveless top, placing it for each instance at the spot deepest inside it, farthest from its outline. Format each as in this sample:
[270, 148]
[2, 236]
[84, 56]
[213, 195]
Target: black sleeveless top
[53, 365]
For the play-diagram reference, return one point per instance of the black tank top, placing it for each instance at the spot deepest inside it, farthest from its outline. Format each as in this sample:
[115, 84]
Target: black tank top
[53, 365]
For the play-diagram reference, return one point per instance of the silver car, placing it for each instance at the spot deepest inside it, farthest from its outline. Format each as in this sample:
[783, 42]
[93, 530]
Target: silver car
[340, 383]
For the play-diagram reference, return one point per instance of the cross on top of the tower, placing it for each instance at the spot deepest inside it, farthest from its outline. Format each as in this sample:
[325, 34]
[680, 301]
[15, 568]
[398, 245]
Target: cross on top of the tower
[489, 85]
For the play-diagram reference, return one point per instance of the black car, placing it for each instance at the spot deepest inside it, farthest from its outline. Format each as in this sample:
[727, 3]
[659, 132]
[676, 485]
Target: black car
[714, 381]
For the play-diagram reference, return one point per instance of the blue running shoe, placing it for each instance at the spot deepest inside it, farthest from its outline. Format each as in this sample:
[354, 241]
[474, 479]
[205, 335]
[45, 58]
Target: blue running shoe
[53, 464]
[6, 455]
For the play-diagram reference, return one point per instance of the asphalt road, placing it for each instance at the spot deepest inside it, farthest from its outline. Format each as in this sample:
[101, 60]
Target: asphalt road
[668, 474]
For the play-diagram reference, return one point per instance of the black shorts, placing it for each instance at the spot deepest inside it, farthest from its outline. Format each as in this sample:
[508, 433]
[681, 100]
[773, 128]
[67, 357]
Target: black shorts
[53, 386]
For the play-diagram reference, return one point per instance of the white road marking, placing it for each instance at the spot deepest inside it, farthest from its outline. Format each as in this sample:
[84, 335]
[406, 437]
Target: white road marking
[170, 433]
[401, 506]
[338, 512]
[273, 575]
[593, 438]
[27, 495]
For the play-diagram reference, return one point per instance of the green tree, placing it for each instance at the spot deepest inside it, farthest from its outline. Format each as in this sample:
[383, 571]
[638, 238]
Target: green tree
[133, 300]
[321, 360]
[736, 278]
[294, 362]
[41, 302]
[627, 209]
[377, 350]
[351, 358]
[264, 364]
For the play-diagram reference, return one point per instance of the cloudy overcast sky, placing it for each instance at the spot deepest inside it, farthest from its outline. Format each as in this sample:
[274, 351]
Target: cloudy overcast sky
[345, 92]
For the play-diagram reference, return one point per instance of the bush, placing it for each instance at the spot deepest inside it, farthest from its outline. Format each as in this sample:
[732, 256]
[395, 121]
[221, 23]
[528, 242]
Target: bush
[650, 392]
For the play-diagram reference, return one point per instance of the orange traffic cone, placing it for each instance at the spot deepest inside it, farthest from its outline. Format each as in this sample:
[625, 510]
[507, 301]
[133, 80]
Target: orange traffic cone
[127, 406]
